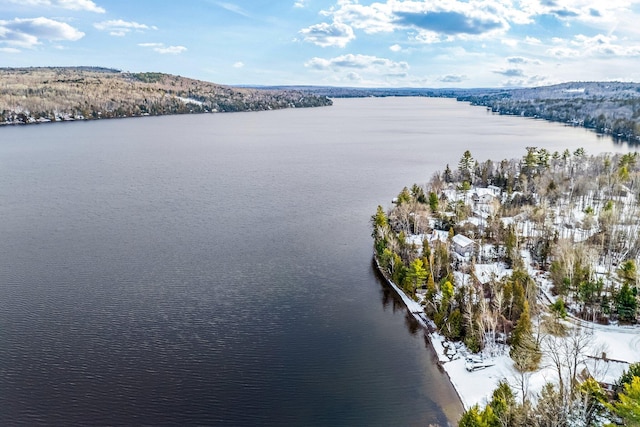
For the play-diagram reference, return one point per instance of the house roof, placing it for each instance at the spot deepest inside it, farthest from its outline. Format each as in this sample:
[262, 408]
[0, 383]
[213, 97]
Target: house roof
[486, 272]
[606, 371]
[462, 241]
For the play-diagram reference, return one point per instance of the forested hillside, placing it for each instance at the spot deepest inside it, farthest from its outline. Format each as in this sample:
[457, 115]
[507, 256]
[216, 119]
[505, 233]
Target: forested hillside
[607, 107]
[32, 95]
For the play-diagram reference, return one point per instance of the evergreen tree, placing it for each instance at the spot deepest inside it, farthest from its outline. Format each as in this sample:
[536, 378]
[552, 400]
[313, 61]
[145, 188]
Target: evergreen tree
[559, 309]
[453, 325]
[627, 377]
[524, 350]
[628, 272]
[626, 303]
[418, 194]
[416, 275]
[433, 202]
[404, 196]
[627, 407]
[380, 218]
[471, 418]
[503, 403]
[465, 166]
[448, 176]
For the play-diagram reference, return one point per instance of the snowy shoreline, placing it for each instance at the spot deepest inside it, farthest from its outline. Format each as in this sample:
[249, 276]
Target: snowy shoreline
[429, 328]
[475, 377]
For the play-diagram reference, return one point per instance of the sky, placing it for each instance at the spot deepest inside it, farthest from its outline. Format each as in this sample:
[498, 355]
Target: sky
[355, 43]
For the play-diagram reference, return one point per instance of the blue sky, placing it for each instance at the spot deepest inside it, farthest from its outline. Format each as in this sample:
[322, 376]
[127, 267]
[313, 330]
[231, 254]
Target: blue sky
[385, 43]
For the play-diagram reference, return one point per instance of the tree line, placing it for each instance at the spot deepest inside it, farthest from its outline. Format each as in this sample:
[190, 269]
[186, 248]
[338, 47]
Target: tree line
[611, 108]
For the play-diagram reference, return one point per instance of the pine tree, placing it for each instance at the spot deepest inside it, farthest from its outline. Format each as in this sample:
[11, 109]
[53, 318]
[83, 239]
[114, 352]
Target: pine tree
[416, 274]
[433, 202]
[404, 196]
[627, 407]
[524, 350]
[627, 377]
[626, 303]
[465, 166]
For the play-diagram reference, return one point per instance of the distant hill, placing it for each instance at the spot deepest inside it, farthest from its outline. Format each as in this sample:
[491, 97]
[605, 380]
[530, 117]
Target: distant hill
[34, 95]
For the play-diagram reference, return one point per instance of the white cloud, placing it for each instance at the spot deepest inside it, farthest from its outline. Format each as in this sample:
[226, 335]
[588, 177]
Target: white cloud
[371, 19]
[532, 40]
[435, 19]
[605, 45]
[587, 11]
[161, 48]
[428, 37]
[526, 81]
[173, 50]
[9, 50]
[510, 42]
[354, 77]
[27, 33]
[326, 35]
[522, 60]
[453, 78]
[362, 70]
[445, 21]
[234, 8]
[120, 28]
[363, 62]
[599, 45]
[395, 48]
[86, 5]
[563, 52]
[238, 65]
[510, 72]
[300, 4]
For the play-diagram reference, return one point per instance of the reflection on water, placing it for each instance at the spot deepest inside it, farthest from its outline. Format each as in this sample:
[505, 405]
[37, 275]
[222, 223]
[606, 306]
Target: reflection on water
[216, 269]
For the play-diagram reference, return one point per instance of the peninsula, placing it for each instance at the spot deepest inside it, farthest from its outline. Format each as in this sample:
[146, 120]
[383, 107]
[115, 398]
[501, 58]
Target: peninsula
[524, 273]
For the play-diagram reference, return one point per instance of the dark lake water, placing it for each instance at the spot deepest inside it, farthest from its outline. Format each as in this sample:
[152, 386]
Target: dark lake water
[216, 269]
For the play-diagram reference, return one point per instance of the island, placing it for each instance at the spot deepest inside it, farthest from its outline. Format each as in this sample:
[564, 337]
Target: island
[53, 94]
[524, 273]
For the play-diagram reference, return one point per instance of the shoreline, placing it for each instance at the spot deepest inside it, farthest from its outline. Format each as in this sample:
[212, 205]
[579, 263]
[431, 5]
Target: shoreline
[428, 328]
[621, 343]
[141, 116]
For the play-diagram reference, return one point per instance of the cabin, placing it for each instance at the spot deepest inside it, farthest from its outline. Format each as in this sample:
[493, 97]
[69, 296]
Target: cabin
[486, 273]
[604, 370]
[462, 245]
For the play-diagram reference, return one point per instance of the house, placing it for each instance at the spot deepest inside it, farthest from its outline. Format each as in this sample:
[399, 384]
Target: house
[486, 273]
[605, 371]
[462, 245]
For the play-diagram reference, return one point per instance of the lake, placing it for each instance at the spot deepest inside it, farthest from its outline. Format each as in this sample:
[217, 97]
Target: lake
[216, 269]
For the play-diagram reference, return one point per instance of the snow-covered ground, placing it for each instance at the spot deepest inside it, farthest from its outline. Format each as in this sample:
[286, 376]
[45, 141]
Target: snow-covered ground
[608, 350]
[476, 387]
[619, 343]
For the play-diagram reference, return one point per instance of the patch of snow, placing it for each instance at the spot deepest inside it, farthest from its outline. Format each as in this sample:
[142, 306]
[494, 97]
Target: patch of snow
[190, 100]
